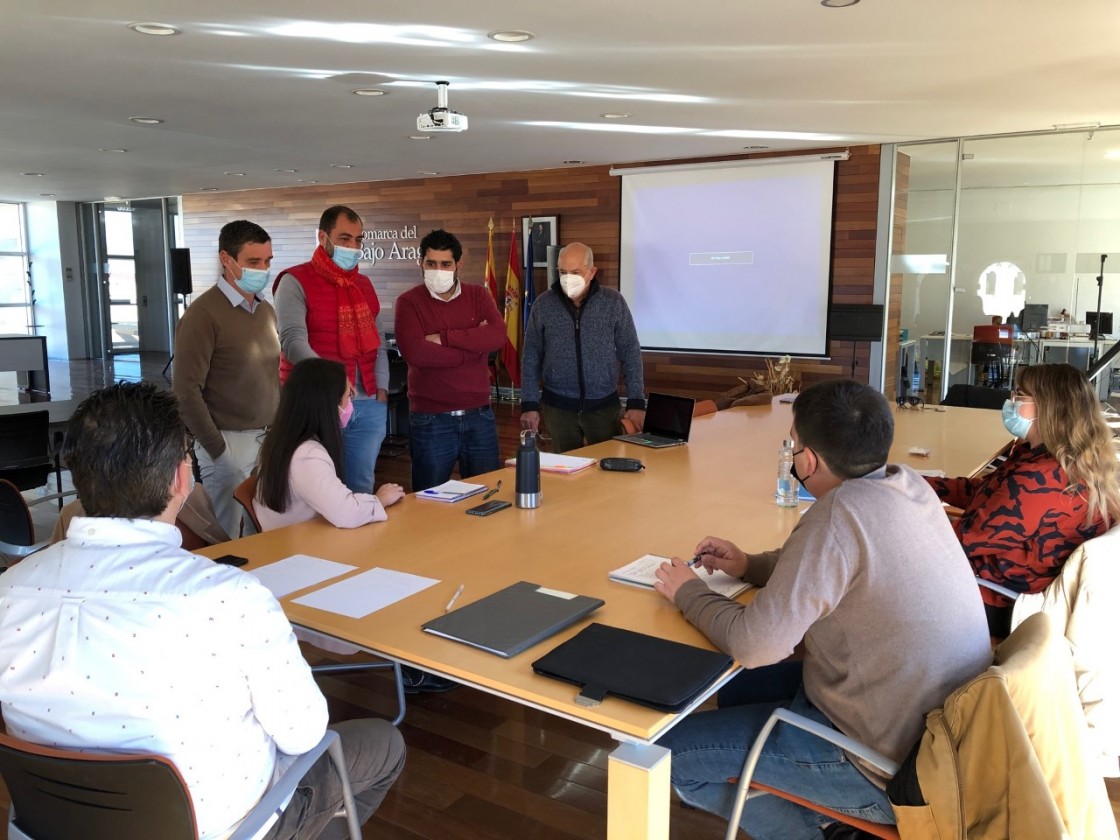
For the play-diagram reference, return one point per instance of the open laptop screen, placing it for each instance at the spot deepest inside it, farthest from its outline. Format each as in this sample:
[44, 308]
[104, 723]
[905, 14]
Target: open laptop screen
[669, 416]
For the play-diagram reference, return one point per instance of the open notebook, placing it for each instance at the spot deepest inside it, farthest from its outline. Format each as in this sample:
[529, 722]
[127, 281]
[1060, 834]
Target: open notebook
[551, 462]
[643, 572]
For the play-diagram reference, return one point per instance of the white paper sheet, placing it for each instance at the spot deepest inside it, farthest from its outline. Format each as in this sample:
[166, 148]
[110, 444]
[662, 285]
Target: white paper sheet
[298, 572]
[358, 596]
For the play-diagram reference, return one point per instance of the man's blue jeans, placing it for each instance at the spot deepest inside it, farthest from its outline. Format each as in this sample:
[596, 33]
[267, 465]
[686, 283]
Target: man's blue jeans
[361, 442]
[439, 440]
[709, 748]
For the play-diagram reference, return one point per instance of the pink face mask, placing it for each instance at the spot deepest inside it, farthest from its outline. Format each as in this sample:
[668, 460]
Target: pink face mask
[344, 414]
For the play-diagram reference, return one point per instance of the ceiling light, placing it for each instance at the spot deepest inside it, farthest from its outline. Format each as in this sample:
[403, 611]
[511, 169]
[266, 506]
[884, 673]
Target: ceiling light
[237, 174]
[32, 174]
[305, 181]
[428, 172]
[419, 137]
[47, 195]
[113, 198]
[146, 120]
[150, 28]
[1075, 126]
[838, 4]
[289, 171]
[370, 92]
[342, 166]
[755, 148]
[610, 116]
[1113, 154]
[207, 189]
[572, 161]
[511, 36]
[117, 151]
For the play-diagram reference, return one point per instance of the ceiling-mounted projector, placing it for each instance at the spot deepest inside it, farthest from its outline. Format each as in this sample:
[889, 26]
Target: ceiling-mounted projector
[441, 118]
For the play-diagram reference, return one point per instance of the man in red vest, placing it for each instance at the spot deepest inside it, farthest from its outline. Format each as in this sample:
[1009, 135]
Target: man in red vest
[325, 308]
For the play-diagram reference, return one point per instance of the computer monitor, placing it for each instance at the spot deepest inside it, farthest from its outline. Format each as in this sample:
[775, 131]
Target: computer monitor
[1101, 323]
[1034, 317]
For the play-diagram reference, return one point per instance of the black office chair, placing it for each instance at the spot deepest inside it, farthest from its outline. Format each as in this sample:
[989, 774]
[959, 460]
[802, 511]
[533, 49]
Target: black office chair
[17, 532]
[396, 438]
[975, 396]
[27, 456]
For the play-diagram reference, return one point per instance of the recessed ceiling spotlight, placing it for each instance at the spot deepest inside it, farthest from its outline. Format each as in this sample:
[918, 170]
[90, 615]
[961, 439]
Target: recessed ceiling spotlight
[573, 161]
[117, 151]
[151, 28]
[32, 174]
[428, 172]
[146, 120]
[838, 4]
[113, 198]
[613, 116]
[305, 181]
[234, 174]
[370, 92]
[47, 195]
[511, 36]
[342, 166]
[419, 137]
[289, 171]
[755, 148]
[207, 189]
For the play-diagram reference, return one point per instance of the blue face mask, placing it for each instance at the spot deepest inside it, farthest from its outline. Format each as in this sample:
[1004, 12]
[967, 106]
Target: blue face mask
[252, 280]
[1013, 421]
[346, 258]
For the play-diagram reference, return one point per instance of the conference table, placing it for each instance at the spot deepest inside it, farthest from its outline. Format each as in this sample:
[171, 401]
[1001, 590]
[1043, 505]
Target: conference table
[722, 483]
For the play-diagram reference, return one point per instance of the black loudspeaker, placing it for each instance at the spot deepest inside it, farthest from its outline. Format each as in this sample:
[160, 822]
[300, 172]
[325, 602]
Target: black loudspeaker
[856, 322]
[181, 271]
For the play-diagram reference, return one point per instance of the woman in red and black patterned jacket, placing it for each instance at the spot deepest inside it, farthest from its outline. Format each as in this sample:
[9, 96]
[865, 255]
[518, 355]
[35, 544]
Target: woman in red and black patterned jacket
[1057, 488]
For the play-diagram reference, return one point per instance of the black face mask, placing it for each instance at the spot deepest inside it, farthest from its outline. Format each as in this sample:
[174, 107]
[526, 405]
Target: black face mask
[793, 469]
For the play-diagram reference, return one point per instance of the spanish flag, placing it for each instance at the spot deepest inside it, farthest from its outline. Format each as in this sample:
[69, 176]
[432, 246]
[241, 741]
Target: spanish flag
[512, 349]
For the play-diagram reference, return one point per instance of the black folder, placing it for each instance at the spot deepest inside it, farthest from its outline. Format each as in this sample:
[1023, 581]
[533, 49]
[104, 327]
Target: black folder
[513, 619]
[643, 669]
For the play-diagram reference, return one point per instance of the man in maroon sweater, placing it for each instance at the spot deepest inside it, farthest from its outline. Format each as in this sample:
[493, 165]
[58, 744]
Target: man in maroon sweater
[445, 331]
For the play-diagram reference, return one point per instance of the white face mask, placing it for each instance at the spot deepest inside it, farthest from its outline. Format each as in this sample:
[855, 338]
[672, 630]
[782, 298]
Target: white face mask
[573, 285]
[439, 281]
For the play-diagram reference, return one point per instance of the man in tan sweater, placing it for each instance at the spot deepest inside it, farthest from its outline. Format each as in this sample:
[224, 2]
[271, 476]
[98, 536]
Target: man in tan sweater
[227, 358]
[875, 583]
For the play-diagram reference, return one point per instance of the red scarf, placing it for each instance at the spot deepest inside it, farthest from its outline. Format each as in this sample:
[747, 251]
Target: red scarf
[357, 329]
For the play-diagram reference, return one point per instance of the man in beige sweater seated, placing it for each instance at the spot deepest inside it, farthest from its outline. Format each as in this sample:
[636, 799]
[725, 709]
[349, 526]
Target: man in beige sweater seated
[875, 583]
[227, 363]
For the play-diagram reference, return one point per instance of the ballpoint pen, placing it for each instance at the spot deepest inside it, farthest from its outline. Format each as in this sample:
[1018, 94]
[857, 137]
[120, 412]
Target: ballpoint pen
[454, 598]
[491, 492]
[695, 561]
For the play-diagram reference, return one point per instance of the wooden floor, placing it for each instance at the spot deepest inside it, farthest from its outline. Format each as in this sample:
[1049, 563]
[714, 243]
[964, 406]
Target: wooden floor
[478, 768]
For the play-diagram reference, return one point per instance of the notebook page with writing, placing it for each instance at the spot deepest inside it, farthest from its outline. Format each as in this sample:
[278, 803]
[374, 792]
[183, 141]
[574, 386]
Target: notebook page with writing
[643, 572]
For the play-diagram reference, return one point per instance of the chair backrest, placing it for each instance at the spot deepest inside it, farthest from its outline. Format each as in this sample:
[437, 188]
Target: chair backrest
[703, 407]
[25, 448]
[244, 494]
[54, 792]
[15, 518]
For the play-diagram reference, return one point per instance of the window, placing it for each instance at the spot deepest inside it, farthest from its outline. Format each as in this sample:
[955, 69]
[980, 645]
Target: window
[14, 283]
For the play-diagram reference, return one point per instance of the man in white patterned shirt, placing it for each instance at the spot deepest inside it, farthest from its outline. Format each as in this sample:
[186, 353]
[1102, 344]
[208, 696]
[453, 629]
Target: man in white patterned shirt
[174, 654]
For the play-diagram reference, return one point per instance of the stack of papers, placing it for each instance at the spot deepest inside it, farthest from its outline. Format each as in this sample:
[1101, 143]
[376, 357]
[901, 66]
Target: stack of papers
[566, 464]
[643, 572]
[451, 491]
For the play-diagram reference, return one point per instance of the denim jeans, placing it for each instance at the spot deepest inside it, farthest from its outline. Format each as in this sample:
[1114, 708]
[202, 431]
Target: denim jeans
[361, 441]
[709, 748]
[439, 440]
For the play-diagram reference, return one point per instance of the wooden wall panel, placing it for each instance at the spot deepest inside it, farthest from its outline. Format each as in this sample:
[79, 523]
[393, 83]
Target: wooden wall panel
[588, 202]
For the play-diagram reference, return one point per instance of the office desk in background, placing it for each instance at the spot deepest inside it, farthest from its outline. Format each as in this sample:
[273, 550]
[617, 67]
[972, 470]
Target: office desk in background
[721, 483]
[27, 356]
[60, 411]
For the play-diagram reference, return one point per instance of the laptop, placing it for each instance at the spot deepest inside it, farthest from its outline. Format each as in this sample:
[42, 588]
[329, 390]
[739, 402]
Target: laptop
[668, 421]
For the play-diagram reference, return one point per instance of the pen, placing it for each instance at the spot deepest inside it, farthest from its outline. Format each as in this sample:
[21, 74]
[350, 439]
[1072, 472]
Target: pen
[695, 561]
[454, 598]
[490, 493]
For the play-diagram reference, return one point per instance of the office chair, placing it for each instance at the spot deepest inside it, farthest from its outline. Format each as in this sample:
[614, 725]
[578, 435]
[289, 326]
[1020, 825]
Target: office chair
[395, 442]
[17, 532]
[131, 797]
[27, 457]
[703, 407]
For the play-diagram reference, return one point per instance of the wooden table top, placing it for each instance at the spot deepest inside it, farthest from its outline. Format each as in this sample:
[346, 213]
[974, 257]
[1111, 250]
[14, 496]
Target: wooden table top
[721, 483]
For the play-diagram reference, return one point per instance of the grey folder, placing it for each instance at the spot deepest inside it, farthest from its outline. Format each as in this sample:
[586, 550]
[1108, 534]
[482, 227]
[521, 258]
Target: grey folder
[513, 619]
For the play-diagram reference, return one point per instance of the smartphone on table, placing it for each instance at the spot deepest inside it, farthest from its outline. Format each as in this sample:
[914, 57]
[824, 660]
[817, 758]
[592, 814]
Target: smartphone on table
[487, 508]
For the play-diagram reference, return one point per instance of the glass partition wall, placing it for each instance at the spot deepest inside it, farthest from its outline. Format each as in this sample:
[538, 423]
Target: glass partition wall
[997, 247]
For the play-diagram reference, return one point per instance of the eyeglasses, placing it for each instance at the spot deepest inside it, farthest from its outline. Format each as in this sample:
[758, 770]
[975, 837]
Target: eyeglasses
[911, 403]
[189, 445]
[1019, 395]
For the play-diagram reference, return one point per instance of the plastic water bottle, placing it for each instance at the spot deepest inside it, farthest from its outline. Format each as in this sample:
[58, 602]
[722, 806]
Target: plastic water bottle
[528, 471]
[787, 484]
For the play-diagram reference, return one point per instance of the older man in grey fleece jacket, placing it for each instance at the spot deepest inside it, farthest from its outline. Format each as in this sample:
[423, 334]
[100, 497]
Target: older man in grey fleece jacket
[578, 335]
[874, 581]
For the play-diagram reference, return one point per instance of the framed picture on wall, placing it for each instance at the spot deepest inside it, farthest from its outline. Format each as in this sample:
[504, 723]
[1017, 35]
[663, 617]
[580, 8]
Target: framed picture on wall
[545, 232]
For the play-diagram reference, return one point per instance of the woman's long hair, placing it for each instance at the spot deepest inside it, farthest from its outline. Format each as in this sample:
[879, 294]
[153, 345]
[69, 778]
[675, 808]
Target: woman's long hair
[1074, 432]
[308, 410]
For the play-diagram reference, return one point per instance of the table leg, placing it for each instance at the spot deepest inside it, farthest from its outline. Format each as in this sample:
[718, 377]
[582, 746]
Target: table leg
[638, 792]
